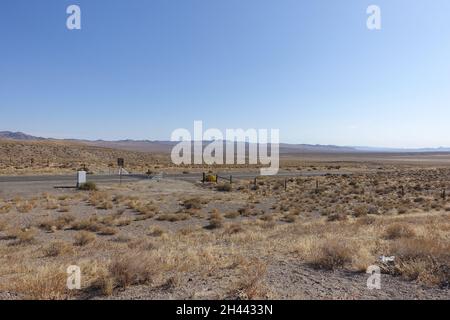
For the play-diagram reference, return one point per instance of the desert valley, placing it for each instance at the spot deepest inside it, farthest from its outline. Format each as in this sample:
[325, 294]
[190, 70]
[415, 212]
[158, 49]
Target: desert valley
[310, 232]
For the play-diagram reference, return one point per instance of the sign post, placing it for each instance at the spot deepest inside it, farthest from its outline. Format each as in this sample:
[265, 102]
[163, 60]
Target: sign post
[81, 178]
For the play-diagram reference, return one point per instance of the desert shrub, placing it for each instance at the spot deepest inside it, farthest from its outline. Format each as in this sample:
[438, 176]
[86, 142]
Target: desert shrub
[331, 255]
[105, 205]
[371, 209]
[234, 228]
[147, 209]
[23, 236]
[45, 283]
[215, 221]
[59, 223]
[290, 218]
[173, 217]
[92, 224]
[232, 215]
[193, 203]
[244, 211]
[399, 230]
[426, 260]
[3, 225]
[5, 208]
[57, 248]
[122, 239]
[267, 217]
[131, 269]
[63, 209]
[156, 231]
[144, 216]
[337, 217]
[83, 238]
[366, 220]
[107, 231]
[360, 211]
[251, 284]
[224, 187]
[25, 207]
[88, 186]
[121, 222]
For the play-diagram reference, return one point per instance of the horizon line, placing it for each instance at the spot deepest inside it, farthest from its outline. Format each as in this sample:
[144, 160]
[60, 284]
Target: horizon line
[374, 148]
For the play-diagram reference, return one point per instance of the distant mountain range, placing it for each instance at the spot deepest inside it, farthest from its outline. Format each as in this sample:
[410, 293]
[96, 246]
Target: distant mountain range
[166, 146]
[18, 136]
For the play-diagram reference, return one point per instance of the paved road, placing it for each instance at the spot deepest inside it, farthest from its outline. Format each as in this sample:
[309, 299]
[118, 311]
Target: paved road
[71, 179]
[66, 178]
[11, 186]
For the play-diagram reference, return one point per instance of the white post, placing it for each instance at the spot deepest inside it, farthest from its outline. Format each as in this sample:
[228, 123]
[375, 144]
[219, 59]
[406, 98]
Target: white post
[81, 178]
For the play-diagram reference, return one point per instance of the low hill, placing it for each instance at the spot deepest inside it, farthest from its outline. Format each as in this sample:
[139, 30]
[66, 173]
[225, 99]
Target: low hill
[38, 157]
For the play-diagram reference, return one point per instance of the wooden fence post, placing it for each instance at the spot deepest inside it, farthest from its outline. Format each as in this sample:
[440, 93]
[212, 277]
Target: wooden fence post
[204, 178]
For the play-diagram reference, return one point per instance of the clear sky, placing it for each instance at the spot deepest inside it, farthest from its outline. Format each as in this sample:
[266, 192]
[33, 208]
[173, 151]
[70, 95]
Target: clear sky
[139, 69]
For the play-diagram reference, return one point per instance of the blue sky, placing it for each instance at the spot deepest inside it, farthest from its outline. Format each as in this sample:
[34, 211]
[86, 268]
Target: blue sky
[140, 69]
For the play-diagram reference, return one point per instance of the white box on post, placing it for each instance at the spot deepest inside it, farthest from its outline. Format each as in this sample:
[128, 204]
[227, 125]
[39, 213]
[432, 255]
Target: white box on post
[81, 178]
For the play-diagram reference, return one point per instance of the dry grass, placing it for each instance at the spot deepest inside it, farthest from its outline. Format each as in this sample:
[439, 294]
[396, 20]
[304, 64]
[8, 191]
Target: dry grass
[83, 238]
[156, 231]
[25, 206]
[193, 203]
[331, 255]
[215, 221]
[251, 285]
[424, 259]
[399, 230]
[224, 187]
[57, 248]
[107, 231]
[23, 236]
[92, 224]
[5, 208]
[45, 283]
[59, 223]
[173, 217]
[132, 268]
[88, 186]
[231, 215]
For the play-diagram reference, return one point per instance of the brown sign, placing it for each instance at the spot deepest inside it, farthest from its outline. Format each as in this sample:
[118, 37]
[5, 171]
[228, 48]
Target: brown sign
[120, 162]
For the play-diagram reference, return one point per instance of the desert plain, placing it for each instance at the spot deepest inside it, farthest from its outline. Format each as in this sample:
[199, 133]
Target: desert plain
[309, 233]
